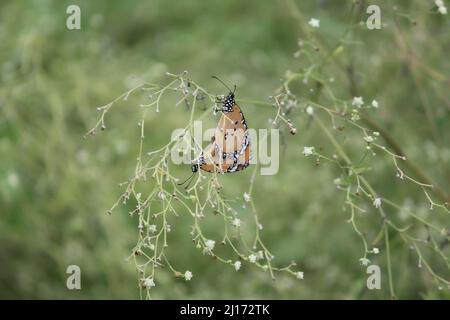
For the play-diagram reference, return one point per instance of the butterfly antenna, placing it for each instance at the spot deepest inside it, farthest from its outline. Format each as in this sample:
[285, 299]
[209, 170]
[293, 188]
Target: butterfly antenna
[188, 179]
[189, 183]
[224, 84]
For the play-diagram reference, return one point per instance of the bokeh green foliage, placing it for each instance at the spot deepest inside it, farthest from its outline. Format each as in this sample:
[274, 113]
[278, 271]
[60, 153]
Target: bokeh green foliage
[55, 188]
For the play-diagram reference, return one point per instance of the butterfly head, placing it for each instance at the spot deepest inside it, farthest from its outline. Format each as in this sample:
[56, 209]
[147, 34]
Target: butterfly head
[228, 102]
[194, 168]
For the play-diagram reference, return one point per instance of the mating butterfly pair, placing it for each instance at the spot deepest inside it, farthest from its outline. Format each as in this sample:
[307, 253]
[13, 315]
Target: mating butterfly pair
[229, 150]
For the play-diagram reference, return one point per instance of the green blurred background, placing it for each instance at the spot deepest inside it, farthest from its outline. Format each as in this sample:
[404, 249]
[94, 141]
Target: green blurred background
[55, 188]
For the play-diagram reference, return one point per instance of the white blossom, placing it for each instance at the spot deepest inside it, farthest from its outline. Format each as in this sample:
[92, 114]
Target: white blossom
[307, 151]
[376, 250]
[300, 275]
[252, 258]
[152, 228]
[357, 102]
[374, 103]
[368, 139]
[260, 254]
[210, 244]
[310, 110]
[377, 202]
[237, 265]
[13, 179]
[188, 275]
[236, 222]
[364, 261]
[442, 10]
[247, 197]
[355, 115]
[315, 23]
[149, 282]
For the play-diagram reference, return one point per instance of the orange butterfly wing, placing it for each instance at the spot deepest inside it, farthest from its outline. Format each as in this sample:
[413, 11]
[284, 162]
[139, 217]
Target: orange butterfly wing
[230, 149]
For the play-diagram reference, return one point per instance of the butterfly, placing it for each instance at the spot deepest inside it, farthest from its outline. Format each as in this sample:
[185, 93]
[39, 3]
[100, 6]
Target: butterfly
[229, 150]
